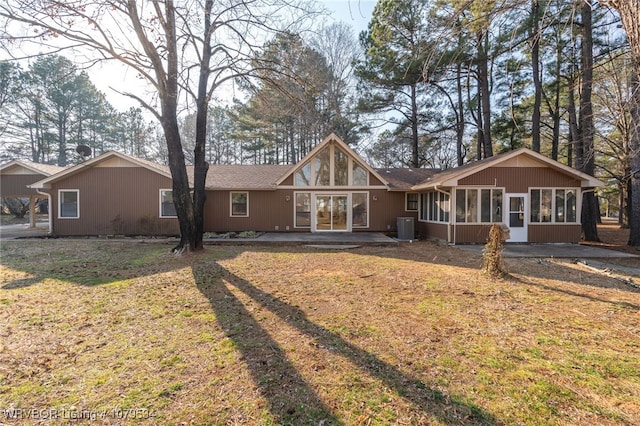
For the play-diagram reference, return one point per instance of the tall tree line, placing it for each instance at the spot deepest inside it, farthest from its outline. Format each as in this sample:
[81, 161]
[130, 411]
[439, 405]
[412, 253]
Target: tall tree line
[50, 108]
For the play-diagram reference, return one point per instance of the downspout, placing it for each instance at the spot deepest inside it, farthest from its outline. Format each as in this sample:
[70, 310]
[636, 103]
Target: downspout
[450, 215]
[50, 207]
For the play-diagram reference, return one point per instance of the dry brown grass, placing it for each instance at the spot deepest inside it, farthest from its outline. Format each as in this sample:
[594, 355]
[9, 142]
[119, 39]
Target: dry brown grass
[414, 334]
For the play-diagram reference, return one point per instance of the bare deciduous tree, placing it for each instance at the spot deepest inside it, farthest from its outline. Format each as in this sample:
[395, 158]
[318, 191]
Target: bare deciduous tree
[183, 50]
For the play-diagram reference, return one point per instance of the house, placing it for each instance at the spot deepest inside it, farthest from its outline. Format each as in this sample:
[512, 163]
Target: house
[332, 189]
[17, 175]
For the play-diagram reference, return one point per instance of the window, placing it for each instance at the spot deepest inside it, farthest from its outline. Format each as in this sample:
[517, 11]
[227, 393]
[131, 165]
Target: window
[322, 168]
[411, 204]
[360, 175]
[434, 207]
[240, 204]
[360, 210]
[331, 166]
[340, 168]
[554, 205]
[69, 203]
[167, 208]
[303, 210]
[479, 205]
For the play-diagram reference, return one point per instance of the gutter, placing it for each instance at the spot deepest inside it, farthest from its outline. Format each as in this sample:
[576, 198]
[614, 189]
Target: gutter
[50, 207]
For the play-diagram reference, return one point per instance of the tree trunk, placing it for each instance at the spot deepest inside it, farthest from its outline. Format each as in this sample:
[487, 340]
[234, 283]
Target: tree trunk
[537, 85]
[460, 117]
[485, 98]
[415, 161]
[634, 184]
[586, 153]
[630, 16]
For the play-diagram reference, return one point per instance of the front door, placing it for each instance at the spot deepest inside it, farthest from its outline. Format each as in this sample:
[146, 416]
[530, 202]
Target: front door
[517, 217]
[331, 213]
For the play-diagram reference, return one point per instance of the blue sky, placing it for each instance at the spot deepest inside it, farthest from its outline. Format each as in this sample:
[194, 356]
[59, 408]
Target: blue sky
[356, 13]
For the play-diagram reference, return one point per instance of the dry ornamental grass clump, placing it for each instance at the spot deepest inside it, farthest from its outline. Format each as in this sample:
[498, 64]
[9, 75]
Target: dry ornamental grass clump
[492, 263]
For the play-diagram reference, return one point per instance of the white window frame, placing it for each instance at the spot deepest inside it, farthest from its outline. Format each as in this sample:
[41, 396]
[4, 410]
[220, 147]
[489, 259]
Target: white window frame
[351, 162]
[406, 202]
[295, 212]
[553, 205]
[231, 203]
[425, 208]
[350, 201]
[477, 220]
[160, 215]
[60, 191]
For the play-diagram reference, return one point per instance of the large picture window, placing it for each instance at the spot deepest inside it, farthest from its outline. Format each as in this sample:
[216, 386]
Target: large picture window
[240, 204]
[167, 208]
[69, 203]
[360, 210]
[303, 210]
[554, 205]
[331, 167]
[482, 205]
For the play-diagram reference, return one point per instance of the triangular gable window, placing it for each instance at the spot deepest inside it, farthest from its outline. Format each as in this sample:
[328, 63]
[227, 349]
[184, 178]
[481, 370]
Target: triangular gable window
[331, 166]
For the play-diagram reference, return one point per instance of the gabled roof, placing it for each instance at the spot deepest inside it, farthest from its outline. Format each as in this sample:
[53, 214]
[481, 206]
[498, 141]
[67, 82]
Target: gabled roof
[332, 138]
[521, 156]
[36, 168]
[227, 177]
[110, 155]
[405, 179]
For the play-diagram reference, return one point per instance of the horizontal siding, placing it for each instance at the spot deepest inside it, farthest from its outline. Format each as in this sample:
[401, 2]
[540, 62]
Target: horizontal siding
[554, 233]
[520, 179]
[16, 185]
[115, 200]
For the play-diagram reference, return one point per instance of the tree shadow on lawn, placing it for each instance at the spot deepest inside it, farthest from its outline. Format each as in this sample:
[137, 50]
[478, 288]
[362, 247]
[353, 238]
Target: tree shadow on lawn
[83, 262]
[291, 399]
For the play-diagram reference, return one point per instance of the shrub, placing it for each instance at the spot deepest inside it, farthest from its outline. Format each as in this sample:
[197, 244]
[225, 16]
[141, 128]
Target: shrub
[492, 264]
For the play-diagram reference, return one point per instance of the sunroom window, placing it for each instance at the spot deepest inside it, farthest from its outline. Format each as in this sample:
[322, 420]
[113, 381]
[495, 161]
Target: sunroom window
[554, 205]
[482, 205]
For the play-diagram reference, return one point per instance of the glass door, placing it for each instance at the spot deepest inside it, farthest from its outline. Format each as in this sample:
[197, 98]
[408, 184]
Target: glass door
[517, 217]
[331, 213]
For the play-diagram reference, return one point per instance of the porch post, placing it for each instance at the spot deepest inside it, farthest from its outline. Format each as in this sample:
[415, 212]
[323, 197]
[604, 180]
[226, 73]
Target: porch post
[32, 211]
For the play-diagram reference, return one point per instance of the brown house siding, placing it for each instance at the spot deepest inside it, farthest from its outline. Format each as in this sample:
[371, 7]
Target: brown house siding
[519, 179]
[115, 200]
[384, 213]
[566, 233]
[470, 234]
[432, 230]
[16, 185]
[267, 210]
[271, 209]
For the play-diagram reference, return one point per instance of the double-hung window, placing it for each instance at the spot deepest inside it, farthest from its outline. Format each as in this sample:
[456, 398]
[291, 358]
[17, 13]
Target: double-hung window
[239, 204]
[69, 203]
[167, 208]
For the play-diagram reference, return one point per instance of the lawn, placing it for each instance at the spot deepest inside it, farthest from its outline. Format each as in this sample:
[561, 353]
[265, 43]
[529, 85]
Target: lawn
[415, 334]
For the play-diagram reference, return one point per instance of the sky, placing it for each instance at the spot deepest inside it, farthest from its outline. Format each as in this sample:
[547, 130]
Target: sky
[356, 13]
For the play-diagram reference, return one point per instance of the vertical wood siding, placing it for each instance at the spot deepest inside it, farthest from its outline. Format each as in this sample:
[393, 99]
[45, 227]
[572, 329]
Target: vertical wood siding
[115, 200]
[569, 233]
[432, 230]
[271, 209]
[16, 185]
[519, 179]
